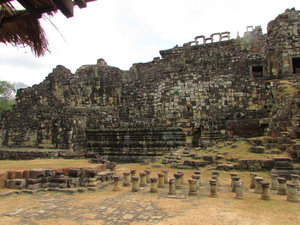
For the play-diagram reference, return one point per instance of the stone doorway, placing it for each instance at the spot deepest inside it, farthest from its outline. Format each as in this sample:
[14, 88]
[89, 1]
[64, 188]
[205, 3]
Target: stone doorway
[197, 142]
[296, 65]
[257, 71]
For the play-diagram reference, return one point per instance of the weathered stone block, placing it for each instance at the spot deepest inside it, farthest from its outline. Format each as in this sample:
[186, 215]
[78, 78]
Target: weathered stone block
[11, 174]
[35, 186]
[39, 173]
[74, 172]
[257, 149]
[16, 183]
[49, 173]
[296, 147]
[225, 167]
[90, 172]
[209, 158]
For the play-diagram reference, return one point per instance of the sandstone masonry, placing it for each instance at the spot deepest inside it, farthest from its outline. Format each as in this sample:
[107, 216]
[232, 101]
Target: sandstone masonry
[196, 94]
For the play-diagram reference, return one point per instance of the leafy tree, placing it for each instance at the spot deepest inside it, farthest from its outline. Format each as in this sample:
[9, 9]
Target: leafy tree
[7, 94]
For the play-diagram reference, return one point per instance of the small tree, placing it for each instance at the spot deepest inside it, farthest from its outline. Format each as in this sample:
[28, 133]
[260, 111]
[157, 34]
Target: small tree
[7, 95]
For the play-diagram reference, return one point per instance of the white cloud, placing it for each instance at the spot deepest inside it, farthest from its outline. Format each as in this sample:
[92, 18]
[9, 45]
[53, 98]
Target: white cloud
[130, 31]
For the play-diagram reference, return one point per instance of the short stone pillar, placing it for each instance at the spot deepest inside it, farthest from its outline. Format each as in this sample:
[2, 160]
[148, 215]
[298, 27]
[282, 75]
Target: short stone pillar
[292, 195]
[153, 181]
[143, 182]
[274, 182]
[135, 183]
[282, 186]
[126, 179]
[232, 175]
[252, 181]
[192, 187]
[265, 193]
[148, 174]
[198, 173]
[197, 179]
[239, 193]
[161, 180]
[172, 190]
[213, 188]
[295, 180]
[116, 183]
[165, 172]
[182, 177]
[177, 177]
[132, 173]
[217, 175]
[258, 188]
[234, 179]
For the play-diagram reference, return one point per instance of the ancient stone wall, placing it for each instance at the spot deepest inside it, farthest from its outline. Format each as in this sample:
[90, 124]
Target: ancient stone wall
[283, 43]
[134, 144]
[209, 91]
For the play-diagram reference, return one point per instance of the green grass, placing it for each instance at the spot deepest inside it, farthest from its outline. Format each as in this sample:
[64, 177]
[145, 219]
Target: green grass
[241, 151]
[286, 89]
[42, 163]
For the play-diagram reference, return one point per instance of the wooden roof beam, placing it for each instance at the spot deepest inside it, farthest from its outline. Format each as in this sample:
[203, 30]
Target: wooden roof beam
[90, 1]
[65, 6]
[20, 14]
[32, 10]
[81, 3]
[4, 1]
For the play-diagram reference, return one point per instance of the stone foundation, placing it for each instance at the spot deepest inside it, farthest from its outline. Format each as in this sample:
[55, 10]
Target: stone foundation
[134, 144]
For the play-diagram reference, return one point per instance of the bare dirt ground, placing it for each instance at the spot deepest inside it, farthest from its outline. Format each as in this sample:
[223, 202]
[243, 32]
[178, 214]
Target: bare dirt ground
[105, 206]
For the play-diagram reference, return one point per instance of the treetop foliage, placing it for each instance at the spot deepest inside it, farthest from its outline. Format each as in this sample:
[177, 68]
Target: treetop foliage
[7, 90]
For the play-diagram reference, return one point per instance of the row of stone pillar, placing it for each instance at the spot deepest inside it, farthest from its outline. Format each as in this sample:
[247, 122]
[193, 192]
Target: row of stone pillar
[257, 184]
[158, 182]
[174, 183]
[261, 187]
[277, 183]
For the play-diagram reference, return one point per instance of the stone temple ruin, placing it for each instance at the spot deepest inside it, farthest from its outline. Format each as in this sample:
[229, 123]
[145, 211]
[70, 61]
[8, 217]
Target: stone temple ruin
[196, 94]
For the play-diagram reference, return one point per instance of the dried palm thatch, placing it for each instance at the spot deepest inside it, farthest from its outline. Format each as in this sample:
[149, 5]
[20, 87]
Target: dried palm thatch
[26, 31]
[22, 27]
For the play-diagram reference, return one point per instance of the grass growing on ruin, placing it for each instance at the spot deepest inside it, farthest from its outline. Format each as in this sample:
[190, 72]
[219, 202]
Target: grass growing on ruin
[241, 150]
[286, 89]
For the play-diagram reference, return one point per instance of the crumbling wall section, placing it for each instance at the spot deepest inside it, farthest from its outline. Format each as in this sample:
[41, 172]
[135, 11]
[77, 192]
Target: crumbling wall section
[55, 113]
[207, 87]
[283, 43]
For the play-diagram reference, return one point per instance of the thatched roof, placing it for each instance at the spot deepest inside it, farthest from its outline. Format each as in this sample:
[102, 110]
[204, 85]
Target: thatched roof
[22, 26]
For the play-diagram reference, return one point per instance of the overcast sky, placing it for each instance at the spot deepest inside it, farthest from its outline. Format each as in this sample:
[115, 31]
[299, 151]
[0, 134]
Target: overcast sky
[124, 32]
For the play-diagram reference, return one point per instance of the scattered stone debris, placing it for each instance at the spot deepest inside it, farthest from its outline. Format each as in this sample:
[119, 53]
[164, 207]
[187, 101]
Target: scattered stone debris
[67, 180]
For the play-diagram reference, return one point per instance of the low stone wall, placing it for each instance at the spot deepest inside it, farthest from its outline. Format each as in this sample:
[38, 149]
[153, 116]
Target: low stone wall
[254, 164]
